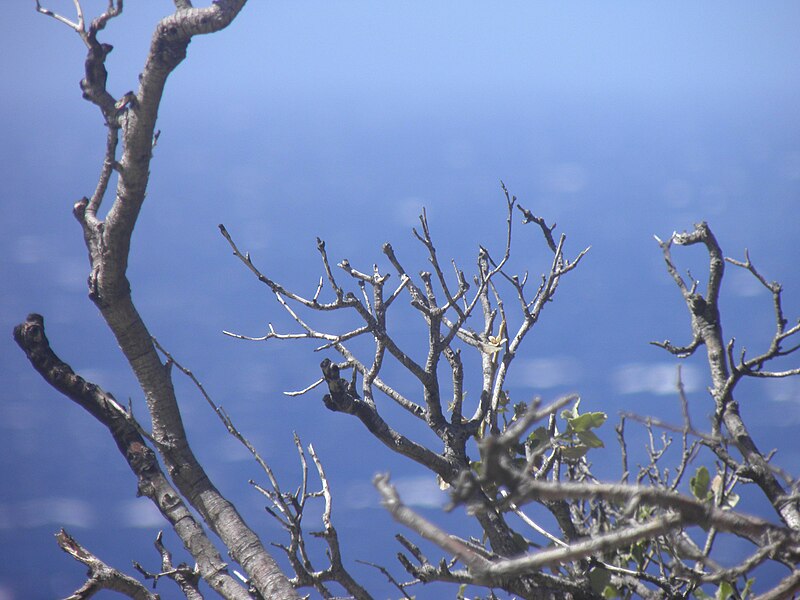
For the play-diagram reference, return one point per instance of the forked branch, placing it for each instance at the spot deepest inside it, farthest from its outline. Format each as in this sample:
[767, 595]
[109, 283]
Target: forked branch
[707, 330]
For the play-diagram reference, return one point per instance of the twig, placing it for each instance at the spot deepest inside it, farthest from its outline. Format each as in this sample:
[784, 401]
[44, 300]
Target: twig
[306, 389]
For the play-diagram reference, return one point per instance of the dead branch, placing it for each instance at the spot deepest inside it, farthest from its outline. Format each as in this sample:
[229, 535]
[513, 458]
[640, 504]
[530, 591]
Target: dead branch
[707, 329]
[101, 576]
[152, 482]
[108, 242]
[186, 578]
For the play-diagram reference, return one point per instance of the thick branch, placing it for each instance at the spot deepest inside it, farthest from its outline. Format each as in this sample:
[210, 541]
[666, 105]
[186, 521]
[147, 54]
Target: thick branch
[109, 242]
[152, 482]
[613, 541]
[534, 585]
[692, 511]
[342, 398]
[707, 329]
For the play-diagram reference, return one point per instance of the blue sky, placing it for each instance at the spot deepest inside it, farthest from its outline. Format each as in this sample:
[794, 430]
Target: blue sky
[342, 120]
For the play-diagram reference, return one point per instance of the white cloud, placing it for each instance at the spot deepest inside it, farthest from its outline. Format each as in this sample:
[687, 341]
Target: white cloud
[678, 193]
[420, 492]
[742, 283]
[786, 389]
[71, 273]
[549, 372]
[360, 495]
[30, 249]
[19, 416]
[408, 210]
[230, 450]
[100, 376]
[566, 178]
[255, 378]
[140, 513]
[655, 378]
[67, 512]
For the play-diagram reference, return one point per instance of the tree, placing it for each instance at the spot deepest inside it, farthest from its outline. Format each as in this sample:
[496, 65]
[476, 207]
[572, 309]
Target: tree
[641, 536]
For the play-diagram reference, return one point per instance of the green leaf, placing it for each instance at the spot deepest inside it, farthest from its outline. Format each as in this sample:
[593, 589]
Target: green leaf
[700, 484]
[538, 436]
[574, 452]
[747, 587]
[503, 399]
[610, 592]
[724, 591]
[637, 552]
[587, 421]
[588, 438]
[599, 578]
[701, 595]
[644, 512]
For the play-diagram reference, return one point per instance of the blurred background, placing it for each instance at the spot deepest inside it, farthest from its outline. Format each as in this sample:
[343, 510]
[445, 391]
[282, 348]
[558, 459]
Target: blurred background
[343, 120]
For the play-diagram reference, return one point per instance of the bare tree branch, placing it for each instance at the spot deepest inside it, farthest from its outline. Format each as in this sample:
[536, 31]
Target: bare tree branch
[187, 579]
[101, 576]
[615, 540]
[152, 482]
[109, 240]
[707, 328]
